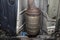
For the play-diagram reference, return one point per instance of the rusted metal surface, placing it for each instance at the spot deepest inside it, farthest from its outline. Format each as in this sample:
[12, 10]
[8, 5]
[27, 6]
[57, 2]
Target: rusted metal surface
[32, 15]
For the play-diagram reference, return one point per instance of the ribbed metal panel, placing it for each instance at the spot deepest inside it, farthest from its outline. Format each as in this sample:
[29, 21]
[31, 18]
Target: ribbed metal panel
[8, 15]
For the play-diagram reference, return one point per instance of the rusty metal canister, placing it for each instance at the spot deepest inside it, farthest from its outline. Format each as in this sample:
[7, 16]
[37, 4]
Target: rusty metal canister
[32, 19]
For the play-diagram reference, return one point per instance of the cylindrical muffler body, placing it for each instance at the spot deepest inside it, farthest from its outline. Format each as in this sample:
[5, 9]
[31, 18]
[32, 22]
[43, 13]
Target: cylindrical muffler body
[32, 17]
